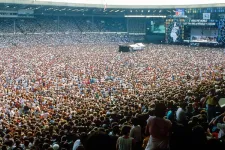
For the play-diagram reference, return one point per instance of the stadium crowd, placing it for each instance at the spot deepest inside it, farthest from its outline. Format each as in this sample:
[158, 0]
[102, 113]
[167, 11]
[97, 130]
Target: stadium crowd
[89, 96]
[66, 39]
[48, 24]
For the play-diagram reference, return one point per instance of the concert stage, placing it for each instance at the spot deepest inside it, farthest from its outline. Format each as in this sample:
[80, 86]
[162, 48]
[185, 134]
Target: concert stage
[203, 43]
[195, 32]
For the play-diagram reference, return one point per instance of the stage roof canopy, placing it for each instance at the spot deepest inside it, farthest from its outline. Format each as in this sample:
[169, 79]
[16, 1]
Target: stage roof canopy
[123, 3]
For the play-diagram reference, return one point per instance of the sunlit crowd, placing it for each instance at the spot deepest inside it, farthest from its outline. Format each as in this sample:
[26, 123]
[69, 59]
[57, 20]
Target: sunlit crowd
[64, 94]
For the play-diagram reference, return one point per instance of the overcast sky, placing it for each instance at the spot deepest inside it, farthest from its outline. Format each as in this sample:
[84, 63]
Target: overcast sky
[141, 2]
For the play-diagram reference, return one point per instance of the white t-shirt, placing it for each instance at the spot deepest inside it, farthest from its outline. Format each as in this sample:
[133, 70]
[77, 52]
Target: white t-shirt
[76, 144]
[222, 129]
[135, 133]
[180, 115]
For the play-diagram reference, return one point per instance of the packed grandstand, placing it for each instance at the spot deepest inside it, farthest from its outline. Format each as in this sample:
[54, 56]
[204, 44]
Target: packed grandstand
[65, 86]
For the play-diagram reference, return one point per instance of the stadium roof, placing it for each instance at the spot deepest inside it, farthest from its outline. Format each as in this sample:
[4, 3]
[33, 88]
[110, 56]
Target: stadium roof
[123, 3]
[87, 11]
[74, 9]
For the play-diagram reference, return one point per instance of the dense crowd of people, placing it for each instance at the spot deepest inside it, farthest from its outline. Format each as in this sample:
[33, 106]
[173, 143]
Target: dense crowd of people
[48, 24]
[136, 25]
[66, 39]
[89, 96]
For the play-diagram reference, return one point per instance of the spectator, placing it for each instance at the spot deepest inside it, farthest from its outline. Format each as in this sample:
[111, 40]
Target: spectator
[125, 142]
[98, 140]
[136, 133]
[211, 104]
[79, 143]
[159, 129]
[181, 115]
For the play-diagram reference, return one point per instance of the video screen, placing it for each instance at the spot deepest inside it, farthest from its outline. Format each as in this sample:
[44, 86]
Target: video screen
[158, 26]
[204, 34]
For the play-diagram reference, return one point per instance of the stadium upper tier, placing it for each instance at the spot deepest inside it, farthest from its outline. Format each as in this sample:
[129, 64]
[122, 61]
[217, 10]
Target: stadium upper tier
[48, 24]
[122, 4]
[104, 9]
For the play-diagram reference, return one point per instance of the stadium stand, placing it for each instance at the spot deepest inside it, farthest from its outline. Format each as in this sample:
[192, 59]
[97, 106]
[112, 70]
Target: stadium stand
[45, 24]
